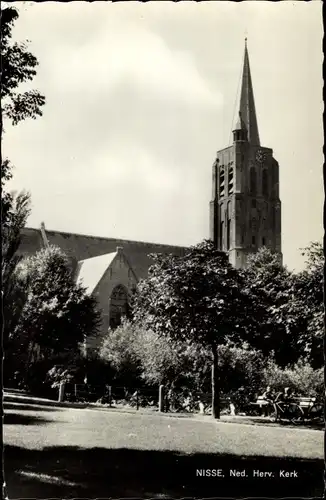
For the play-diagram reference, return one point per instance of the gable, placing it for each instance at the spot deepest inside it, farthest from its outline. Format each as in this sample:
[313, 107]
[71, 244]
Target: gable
[90, 271]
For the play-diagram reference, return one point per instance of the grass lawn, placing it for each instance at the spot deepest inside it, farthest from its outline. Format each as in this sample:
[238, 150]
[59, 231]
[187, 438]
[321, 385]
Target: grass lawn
[87, 453]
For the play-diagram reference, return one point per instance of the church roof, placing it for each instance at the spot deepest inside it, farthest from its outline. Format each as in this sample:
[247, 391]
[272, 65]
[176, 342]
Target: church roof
[90, 271]
[247, 102]
[80, 247]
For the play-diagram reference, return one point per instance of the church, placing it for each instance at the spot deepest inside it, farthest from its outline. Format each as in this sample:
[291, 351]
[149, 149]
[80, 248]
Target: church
[245, 214]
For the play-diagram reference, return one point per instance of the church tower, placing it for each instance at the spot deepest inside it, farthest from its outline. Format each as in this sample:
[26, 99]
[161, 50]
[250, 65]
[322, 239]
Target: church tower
[245, 211]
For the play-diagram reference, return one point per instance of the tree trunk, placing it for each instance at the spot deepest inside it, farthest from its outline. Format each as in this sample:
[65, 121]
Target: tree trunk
[215, 384]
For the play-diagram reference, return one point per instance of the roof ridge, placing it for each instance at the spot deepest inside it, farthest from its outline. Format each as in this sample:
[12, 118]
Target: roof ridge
[108, 238]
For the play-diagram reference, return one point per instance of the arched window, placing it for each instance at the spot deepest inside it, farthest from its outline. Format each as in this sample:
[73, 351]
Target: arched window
[265, 183]
[228, 227]
[253, 180]
[118, 306]
[230, 181]
[221, 182]
[221, 228]
[221, 235]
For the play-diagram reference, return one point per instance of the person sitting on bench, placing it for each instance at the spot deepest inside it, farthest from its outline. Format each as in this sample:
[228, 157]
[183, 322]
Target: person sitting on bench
[269, 397]
[285, 397]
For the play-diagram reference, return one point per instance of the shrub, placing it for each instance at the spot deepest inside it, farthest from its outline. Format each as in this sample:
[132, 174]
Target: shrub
[301, 378]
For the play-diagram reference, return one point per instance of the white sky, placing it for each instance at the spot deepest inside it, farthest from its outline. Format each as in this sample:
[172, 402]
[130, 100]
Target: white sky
[140, 96]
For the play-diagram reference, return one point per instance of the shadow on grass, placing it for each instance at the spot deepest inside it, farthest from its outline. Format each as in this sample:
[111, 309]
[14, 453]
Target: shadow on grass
[26, 406]
[66, 472]
[266, 421]
[21, 419]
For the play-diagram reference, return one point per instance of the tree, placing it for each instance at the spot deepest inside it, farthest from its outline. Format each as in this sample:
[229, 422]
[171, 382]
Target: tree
[305, 312]
[294, 323]
[197, 299]
[18, 67]
[302, 378]
[270, 282]
[12, 287]
[58, 315]
[118, 351]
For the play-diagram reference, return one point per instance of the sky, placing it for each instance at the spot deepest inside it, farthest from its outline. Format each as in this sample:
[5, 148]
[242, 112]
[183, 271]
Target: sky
[140, 96]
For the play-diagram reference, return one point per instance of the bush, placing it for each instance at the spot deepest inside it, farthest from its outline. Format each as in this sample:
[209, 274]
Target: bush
[301, 378]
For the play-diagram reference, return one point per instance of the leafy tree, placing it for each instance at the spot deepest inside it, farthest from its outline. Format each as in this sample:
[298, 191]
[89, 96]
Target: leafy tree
[294, 323]
[18, 67]
[174, 363]
[199, 299]
[12, 287]
[137, 355]
[302, 378]
[305, 311]
[241, 369]
[57, 316]
[270, 282]
[118, 351]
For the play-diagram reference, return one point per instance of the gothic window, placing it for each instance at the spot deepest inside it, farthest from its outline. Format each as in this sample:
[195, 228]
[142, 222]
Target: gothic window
[230, 181]
[264, 241]
[265, 183]
[228, 227]
[118, 306]
[253, 240]
[228, 231]
[221, 234]
[253, 203]
[222, 182]
[253, 180]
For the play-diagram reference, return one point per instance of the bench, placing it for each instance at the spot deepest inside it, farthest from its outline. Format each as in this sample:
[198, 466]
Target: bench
[261, 401]
[305, 403]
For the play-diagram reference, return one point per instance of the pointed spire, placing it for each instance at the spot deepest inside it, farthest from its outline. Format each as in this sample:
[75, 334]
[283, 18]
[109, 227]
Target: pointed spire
[247, 102]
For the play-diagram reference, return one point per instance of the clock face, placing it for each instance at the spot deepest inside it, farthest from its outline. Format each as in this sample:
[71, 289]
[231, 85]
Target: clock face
[260, 155]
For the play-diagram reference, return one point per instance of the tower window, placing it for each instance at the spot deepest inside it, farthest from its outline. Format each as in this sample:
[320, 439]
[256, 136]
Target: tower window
[222, 183]
[265, 183]
[221, 234]
[228, 226]
[230, 181]
[253, 203]
[253, 180]
[228, 229]
[263, 241]
[253, 240]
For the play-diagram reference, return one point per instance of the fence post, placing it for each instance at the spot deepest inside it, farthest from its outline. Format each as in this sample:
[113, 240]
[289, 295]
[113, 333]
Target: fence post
[76, 392]
[110, 395]
[137, 401]
[61, 391]
[161, 398]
